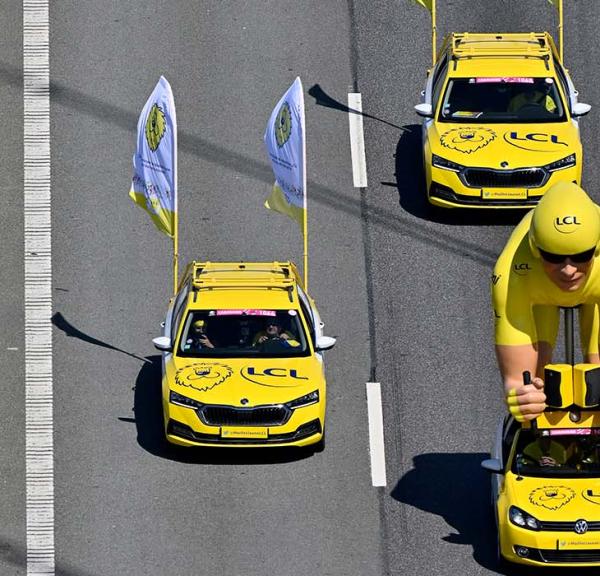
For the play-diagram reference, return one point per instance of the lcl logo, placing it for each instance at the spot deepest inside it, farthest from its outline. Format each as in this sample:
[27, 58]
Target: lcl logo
[566, 224]
[522, 268]
[565, 220]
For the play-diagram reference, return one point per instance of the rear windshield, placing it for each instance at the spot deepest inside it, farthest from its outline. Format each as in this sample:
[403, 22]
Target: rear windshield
[565, 453]
[512, 100]
[242, 333]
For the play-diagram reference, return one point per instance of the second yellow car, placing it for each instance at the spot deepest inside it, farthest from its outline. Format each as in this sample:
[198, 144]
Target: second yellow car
[500, 121]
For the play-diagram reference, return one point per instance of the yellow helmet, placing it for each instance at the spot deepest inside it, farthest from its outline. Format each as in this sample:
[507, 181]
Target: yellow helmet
[198, 324]
[565, 221]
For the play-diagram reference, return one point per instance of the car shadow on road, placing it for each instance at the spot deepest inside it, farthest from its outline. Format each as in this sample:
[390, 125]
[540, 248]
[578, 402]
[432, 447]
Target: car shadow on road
[455, 487]
[150, 431]
[410, 184]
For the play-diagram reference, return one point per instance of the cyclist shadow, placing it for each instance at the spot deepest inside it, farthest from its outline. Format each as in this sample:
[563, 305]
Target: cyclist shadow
[150, 430]
[410, 184]
[455, 487]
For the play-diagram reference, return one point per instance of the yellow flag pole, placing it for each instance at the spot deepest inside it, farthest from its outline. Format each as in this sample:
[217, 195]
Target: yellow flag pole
[304, 200]
[175, 215]
[175, 250]
[560, 28]
[434, 31]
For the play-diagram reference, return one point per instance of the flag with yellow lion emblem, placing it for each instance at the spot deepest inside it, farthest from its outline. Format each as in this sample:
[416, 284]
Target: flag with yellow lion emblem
[285, 141]
[154, 183]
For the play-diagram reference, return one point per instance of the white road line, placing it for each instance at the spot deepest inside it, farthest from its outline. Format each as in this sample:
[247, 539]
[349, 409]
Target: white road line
[357, 140]
[376, 443]
[39, 448]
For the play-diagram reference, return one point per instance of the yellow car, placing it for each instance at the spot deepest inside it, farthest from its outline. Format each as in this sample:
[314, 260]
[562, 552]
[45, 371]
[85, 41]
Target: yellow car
[242, 358]
[546, 486]
[500, 121]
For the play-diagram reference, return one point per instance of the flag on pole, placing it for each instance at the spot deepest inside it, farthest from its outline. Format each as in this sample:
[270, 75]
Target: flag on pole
[285, 141]
[154, 183]
[428, 4]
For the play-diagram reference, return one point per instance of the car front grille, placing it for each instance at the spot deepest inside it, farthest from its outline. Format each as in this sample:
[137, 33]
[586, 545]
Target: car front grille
[567, 526]
[231, 416]
[487, 178]
[569, 556]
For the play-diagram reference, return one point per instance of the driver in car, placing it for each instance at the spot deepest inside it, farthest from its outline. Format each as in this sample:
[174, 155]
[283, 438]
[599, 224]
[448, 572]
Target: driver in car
[533, 95]
[274, 331]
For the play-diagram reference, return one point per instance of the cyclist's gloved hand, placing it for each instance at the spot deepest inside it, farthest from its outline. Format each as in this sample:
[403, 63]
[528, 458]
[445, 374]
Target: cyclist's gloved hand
[527, 401]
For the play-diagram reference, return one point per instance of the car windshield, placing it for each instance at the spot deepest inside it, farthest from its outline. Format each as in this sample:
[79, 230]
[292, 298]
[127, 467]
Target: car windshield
[564, 453]
[510, 100]
[243, 333]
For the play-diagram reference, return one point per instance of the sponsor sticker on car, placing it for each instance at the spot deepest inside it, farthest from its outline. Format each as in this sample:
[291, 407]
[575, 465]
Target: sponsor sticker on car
[233, 432]
[504, 194]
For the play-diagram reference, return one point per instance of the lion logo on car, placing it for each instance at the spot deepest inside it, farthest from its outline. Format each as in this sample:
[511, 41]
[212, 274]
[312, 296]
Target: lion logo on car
[467, 139]
[203, 376]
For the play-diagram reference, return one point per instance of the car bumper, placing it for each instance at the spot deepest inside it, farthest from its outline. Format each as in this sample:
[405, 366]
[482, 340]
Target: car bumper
[304, 427]
[551, 548]
[447, 190]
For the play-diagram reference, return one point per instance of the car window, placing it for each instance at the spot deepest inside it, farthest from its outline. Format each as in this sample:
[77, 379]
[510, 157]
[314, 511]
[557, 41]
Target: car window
[566, 452]
[307, 312]
[563, 80]
[243, 334]
[511, 100]
[178, 308]
[438, 80]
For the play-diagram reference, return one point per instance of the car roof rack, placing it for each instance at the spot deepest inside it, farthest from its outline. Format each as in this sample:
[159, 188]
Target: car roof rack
[468, 45]
[210, 275]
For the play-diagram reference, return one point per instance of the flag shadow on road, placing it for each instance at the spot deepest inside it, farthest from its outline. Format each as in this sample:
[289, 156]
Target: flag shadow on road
[148, 412]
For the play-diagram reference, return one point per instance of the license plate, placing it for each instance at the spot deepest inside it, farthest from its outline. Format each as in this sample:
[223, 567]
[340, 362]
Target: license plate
[233, 432]
[504, 194]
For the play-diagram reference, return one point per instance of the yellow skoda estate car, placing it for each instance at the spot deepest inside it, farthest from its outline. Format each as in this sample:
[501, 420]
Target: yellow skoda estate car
[242, 358]
[546, 486]
[500, 121]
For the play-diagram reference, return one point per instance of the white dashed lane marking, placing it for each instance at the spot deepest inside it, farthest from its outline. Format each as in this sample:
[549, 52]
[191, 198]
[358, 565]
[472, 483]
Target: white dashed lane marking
[376, 440]
[357, 140]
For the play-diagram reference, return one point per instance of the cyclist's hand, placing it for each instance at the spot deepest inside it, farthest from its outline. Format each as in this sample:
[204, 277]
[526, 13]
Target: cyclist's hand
[527, 401]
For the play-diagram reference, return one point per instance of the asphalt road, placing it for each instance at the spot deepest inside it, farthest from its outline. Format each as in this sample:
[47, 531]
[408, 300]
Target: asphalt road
[407, 296]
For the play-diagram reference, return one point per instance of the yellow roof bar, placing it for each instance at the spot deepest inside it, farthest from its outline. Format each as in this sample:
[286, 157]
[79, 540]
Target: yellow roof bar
[469, 45]
[208, 275]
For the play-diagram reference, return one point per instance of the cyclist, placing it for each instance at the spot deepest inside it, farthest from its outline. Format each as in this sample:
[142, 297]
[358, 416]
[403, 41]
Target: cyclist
[549, 261]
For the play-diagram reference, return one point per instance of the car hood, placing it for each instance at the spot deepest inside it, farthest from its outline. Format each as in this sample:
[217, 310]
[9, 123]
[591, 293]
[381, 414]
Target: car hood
[257, 381]
[556, 499]
[517, 145]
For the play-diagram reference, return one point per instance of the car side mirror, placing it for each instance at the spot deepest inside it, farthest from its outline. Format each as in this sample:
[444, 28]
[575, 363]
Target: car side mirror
[163, 343]
[580, 109]
[325, 343]
[424, 110]
[493, 465]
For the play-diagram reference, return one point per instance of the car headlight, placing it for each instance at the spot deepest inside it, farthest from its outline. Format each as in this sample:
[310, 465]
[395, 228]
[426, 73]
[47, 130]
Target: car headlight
[305, 400]
[440, 162]
[182, 400]
[567, 162]
[522, 519]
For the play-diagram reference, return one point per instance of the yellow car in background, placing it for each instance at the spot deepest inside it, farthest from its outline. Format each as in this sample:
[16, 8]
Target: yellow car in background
[500, 121]
[242, 358]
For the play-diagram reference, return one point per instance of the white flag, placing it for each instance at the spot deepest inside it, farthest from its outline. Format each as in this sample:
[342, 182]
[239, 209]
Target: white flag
[285, 141]
[154, 183]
